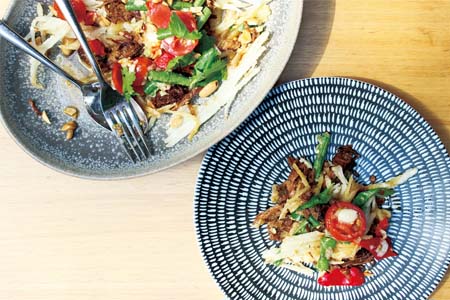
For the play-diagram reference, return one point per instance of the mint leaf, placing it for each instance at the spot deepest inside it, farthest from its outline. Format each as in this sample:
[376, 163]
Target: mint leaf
[207, 59]
[127, 82]
[178, 28]
[209, 67]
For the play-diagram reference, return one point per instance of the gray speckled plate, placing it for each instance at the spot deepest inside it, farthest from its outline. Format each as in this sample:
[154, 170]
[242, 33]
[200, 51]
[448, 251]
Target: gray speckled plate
[94, 153]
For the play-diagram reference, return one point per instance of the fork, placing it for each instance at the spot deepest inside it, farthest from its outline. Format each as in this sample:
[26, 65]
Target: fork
[125, 117]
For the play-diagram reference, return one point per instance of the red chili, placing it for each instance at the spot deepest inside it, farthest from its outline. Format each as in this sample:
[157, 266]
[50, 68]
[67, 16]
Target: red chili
[90, 18]
[117, 77]
[142, 67]
[342, 277]
[379, 247]
[78, 7]
[97, 47]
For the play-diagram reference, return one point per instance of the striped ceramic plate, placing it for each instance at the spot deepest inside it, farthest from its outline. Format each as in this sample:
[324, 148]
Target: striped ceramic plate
[236, 176]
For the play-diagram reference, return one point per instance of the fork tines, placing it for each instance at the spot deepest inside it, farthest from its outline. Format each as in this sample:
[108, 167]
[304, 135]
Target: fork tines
[126, 126]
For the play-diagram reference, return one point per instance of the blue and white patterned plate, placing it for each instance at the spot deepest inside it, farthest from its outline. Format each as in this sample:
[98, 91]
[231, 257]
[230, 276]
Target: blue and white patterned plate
[236, 176]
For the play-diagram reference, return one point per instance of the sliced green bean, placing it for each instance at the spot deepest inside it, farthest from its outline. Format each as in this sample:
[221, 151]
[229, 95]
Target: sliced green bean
[321, 153]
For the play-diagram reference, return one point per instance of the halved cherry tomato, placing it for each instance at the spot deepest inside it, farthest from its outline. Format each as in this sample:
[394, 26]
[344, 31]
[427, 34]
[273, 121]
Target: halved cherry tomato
[142, 65]
[342, 277]
[344, 231]
[162, 61]
[159, 14]
[90, 18]
[117, 77]
[188, 19]
[78, 7]
[97, 47]
[177, 46]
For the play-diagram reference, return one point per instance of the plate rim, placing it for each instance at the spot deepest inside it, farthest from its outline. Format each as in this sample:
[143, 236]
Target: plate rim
[264, 89]
[208, 155]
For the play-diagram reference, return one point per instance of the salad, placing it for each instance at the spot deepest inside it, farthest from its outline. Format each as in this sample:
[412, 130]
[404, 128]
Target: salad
[184, 58]
[326, 220]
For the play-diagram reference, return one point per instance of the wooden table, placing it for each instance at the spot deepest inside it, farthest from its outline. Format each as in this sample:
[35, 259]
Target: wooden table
[66, 238]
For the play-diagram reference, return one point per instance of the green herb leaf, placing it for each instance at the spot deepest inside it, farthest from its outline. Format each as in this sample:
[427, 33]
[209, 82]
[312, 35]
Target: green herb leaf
[208, 68]
[205, 43]
[178, 29]
[135, 5]
[127, 81]
[181, 61]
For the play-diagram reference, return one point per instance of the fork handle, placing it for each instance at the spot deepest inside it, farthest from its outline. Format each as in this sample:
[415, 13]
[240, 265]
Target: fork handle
[14, 38]
[69, 14]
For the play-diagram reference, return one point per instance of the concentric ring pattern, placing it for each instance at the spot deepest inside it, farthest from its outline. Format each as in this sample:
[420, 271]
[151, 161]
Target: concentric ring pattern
[236, 176]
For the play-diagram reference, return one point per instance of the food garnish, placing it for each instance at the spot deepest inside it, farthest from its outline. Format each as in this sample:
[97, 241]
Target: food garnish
[164, 53]
[326, 220]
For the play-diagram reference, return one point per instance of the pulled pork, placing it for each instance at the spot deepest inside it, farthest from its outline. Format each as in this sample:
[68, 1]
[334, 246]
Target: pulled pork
[346, 157]
[117, 13]
[175, 94]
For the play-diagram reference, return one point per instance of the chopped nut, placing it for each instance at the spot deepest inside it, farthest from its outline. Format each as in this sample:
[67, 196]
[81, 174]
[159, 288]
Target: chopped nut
[103, 22]
[245, 37]
[176, 121]
[70, 128]
[71, 125]
[45, 118]
[71, 112]
[34, 108]
[69, 134]
[209, 89]
[368, 273]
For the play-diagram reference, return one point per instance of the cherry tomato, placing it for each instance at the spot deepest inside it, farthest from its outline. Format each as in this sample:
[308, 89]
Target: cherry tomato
[352, 277]
[117, 77]
[97, 47]
[382, 225]
[162, 61]
[78, 7]
[379, 247]
[177, 46]
[90, 18]
[139, 89]
[188, 19]
[343, 231]
[142, 65]
[159, 14]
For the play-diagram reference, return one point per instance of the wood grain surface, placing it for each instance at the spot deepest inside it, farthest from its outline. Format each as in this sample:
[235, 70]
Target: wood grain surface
[72, 239]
